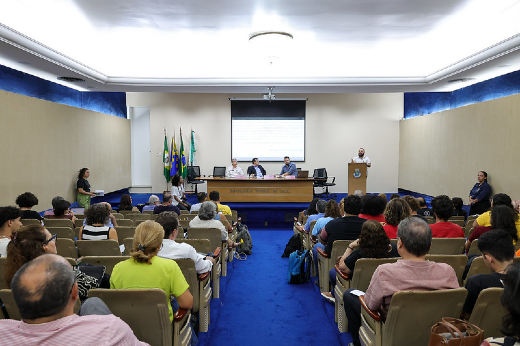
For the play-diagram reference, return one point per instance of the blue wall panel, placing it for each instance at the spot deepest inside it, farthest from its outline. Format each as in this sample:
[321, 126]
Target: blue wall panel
[25, 84]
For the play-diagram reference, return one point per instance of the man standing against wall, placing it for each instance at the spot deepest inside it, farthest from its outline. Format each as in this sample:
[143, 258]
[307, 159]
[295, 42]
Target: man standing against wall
[361, 158]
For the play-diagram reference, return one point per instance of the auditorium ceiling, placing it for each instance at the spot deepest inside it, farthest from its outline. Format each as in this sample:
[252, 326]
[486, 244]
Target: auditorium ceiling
[206, 46]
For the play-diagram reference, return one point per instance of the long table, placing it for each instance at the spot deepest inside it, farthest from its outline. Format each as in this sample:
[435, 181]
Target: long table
[261, 190]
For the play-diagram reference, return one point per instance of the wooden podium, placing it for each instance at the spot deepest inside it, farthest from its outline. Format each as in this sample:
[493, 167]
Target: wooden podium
[357, 177]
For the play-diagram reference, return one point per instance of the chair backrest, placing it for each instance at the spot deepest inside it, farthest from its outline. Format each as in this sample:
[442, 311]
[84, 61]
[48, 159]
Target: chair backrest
[27, 222]
[66, 247]
[138, 217]
[118, 216]
[320, 173]
[108, 261]
[184, 223]
[457, 262]
[213, 234]
[364, 269]
[488, 312]
[57, 223]
[190, 274]
[234, 214]
[338, 249]
[478, 266]
[124, 232]
[62, 232]
[412, 314]
[128, 243]
[79, 223]
[3, 284]
[430, 219]
[219, 172]
[193, 172]
[144, 310]
[6, 296]
[312, 225]
[459, 222]
[125, 222]
[108, 247]
[447, 246]
[201, 245]
[147, 212]
[473, 248]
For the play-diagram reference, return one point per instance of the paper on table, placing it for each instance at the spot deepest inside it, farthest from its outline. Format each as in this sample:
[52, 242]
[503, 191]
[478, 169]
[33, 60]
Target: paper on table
[357, 293]
[99, 192]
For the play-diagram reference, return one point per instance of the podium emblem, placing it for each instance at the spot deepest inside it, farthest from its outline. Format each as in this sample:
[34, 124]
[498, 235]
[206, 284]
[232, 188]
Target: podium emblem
[357, 173]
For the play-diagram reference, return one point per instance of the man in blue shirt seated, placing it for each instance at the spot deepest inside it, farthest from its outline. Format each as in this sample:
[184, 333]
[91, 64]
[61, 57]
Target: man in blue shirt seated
[256, 169]
[289, 168]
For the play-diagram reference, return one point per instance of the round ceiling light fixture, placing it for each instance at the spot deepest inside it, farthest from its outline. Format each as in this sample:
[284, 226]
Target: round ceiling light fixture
[271, 43]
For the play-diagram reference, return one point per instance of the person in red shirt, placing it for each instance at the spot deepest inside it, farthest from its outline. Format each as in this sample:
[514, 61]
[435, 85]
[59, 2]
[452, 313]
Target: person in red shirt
[442, 208]
[396, 210]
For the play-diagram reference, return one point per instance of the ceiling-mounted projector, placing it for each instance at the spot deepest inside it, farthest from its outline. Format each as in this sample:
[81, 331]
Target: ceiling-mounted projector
[269, 96]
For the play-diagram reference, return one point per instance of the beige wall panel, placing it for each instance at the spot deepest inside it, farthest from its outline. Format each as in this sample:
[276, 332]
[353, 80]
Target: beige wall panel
[44, 144]
[336, 126]
[441, 153]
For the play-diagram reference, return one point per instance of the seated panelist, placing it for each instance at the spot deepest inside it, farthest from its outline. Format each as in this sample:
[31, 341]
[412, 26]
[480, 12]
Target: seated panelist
[255, 170]
[288, 168]
[233, 170]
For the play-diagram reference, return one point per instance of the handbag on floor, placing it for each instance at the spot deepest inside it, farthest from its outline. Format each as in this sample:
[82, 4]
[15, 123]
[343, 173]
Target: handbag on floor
[455, 332]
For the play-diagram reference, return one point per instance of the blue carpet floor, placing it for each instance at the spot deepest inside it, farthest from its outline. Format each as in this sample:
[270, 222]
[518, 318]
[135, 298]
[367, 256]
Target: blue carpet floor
[258, 306]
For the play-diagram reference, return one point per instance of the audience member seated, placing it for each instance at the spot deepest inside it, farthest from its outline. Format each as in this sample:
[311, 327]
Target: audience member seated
[498, 252]
[45, 292]
[206, 219]
[498, 199]
[509, 299]
[347, 227]
[25, 202]
[179, 198]
[394, 196]
[412, 272]
[215, 197]
[201, 197]
[396, 210]
[173, 250]
[502, 217]
[146, 270]
[153, 201]
[33, 241]
[126, 203]
[442, 208]
[320, 208]
[166, 205]
[61, 211]
[372, 243]
[383, 196]
[458, 203]
[53, 202]
[312, 208]
[423, 208]
[331, 212]
[96, 228]
[358, 193]
[414, 206]
[372, 208]
[233, 170]
[9, 223]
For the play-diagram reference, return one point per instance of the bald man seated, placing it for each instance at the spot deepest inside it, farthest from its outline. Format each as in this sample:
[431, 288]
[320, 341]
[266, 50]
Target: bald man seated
[45, 291]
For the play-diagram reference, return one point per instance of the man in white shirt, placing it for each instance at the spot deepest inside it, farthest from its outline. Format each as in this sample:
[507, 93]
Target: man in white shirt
[233, 170]
[173, 250]
[361, 158]
[9, 223]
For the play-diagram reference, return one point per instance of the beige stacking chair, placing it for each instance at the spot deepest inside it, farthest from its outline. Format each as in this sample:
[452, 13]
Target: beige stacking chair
[326, 263]
[457, 262]
[108, 261]
[3, 284]
[214, 236]
[108, 247]
[146, 312]
[410, 317]
[447, 246]
[488, 312]
[66, 248]
[57, 223]
[125, 223]
[124, 232]
[63, 232]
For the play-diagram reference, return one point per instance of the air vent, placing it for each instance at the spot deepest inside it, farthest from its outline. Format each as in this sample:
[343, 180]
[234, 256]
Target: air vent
[71, 79]
[460, 80]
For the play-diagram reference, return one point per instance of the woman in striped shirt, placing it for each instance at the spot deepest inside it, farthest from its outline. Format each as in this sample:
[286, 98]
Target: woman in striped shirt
[96, 228]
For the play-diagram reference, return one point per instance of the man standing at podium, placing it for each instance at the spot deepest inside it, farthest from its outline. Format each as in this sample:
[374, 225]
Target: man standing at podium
[361, 158]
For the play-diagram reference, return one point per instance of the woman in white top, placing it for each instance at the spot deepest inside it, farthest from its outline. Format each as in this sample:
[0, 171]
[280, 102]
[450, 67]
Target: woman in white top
[233, 170]
[206, 219]
[96, 229]
[179, 199]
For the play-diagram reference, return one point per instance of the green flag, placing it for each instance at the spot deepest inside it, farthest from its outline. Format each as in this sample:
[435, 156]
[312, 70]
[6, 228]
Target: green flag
[193, 150]
[166, 160]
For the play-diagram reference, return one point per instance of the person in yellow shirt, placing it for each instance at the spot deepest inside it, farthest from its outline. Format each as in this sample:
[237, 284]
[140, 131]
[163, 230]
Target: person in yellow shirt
[215, 197]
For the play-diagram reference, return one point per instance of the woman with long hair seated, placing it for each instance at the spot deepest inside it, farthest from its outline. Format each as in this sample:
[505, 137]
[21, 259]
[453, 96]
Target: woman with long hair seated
[511, 303]
[372, 243]
[96, 224]
[146, 270]
[33, 241]
[395, 211]
[126, 203]
[502, 217]
[331, 212]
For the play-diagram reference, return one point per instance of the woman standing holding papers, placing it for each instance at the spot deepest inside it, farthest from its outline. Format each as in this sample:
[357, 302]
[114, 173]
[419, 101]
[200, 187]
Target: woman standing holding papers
[479, 195]
[83, 187]
[233, 170]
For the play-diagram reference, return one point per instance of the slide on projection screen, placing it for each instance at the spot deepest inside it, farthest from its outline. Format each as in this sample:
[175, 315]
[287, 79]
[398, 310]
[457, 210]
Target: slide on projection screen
[268, 130]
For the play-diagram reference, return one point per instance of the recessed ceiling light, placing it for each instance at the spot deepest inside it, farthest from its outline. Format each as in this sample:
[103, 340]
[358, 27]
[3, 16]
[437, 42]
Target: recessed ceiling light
[504, 65]
[71, 79]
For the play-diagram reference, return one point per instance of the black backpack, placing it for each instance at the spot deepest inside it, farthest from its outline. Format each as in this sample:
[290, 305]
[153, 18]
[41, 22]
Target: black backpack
[244, 238]
[294, 244]
[299, 270]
